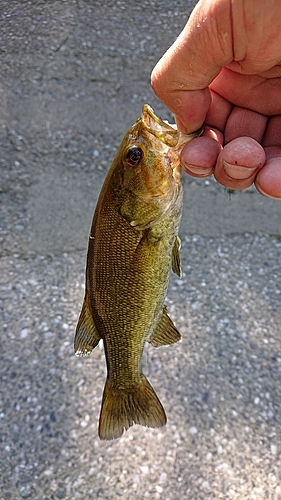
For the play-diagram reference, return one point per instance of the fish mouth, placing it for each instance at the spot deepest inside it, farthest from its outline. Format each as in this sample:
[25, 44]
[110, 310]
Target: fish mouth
[157, 127]
[165, 132]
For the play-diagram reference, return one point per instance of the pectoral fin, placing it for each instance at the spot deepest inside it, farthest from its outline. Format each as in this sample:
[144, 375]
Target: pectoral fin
[165, 332]
[176, 260]
[87, 336]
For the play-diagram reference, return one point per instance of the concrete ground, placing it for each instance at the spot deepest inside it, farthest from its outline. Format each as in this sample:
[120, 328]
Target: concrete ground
[74, 76]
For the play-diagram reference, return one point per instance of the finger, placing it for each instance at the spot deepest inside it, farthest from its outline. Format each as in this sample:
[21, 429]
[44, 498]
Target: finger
[256, 37]
[272, 152]
[243, 122]
[272, 136]
[214, 133]
[268, 180]
[199, 156]
[249, 91]
[181, 77]
[189, 108]
[218, 112]
[239, 162]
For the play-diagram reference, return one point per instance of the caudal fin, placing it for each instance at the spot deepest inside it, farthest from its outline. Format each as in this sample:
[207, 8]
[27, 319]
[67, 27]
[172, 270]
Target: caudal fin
[121, 408]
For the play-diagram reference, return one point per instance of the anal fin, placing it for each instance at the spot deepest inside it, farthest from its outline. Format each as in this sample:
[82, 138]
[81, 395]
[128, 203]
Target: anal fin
[165, 332]
[87, 336]
[176, 260]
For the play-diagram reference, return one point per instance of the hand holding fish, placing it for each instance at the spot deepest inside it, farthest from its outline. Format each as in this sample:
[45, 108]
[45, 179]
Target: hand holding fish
[224, 69]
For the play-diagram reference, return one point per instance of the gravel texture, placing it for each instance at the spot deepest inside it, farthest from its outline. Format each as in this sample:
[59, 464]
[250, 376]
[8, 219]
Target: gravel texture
[220, 385]
[74, 75]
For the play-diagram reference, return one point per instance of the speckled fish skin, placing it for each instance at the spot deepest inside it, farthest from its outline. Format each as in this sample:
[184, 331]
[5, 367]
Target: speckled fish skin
[133, 245]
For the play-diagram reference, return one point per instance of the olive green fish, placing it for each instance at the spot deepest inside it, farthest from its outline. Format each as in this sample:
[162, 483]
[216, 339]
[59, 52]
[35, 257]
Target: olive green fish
[133, 245]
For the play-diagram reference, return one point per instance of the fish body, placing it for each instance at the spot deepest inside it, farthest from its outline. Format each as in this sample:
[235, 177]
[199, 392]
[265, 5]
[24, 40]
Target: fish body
[133, 245]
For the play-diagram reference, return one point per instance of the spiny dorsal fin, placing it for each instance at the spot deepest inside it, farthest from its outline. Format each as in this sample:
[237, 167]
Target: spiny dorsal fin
[165, 332]
[176, 260]
[121, 408]
[86, 337]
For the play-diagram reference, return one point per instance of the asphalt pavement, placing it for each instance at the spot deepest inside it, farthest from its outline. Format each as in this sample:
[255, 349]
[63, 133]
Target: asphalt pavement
[74, 75]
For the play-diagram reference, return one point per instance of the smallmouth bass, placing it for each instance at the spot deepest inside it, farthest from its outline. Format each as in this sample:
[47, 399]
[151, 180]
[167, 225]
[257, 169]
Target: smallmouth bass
[133, 245]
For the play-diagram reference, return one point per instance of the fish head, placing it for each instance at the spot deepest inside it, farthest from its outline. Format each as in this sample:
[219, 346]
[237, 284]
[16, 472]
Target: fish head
[151, 171]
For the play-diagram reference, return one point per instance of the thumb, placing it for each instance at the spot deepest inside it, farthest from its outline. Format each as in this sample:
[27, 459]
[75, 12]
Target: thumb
[181, 77]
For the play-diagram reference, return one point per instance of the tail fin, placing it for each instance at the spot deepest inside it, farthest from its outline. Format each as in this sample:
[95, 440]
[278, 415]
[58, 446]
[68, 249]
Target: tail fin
[121, 408]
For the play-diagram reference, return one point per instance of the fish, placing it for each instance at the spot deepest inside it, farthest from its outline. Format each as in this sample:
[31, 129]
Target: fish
[133, 245]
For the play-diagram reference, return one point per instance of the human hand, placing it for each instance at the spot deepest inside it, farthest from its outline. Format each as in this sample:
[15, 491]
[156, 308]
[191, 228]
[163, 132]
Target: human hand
[224, 69]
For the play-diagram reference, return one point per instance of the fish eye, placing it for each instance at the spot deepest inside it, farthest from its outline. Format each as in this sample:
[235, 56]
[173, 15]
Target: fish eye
[134, 156]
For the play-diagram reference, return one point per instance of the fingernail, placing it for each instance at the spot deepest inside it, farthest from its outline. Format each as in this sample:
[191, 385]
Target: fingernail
[261, 191]
[198, 171]
[237, 171]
